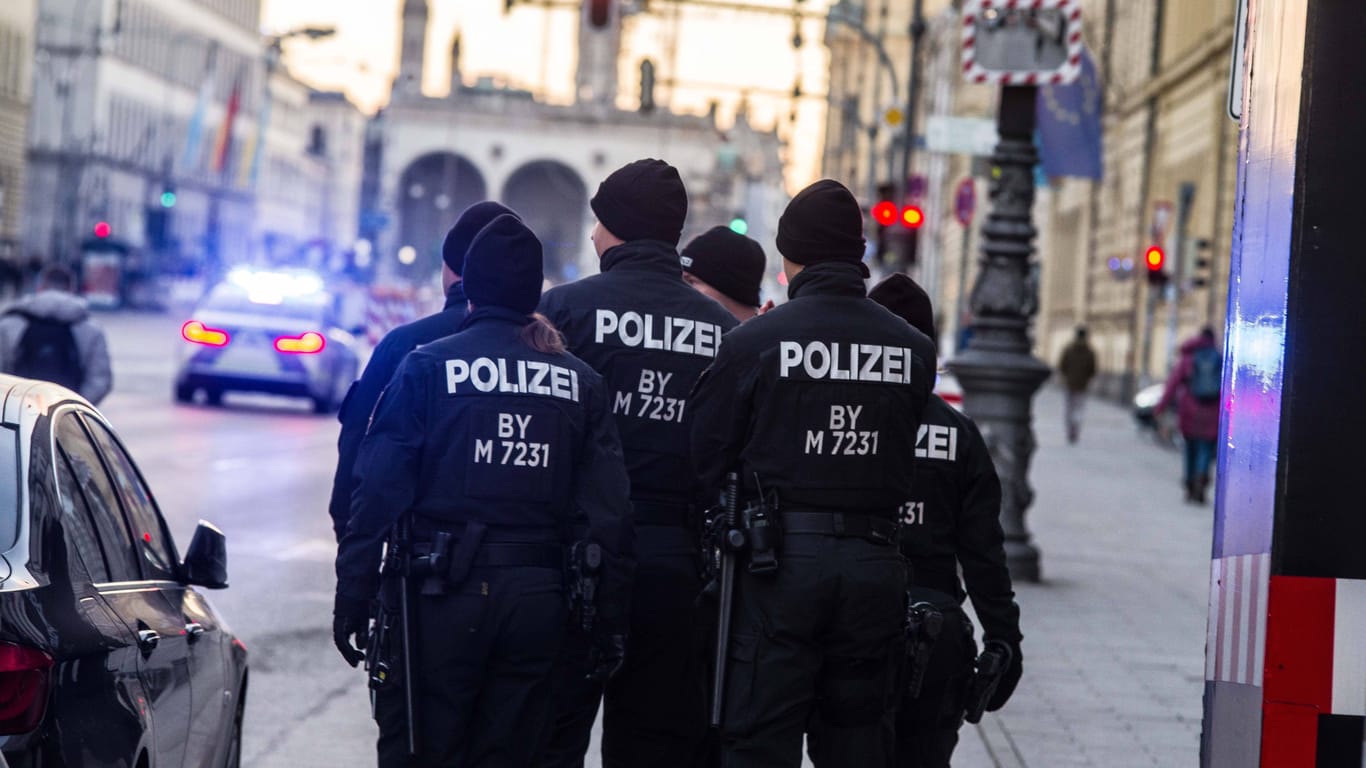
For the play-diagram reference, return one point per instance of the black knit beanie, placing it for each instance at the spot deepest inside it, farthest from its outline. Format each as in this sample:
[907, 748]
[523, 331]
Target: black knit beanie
[731, 263]
[644, 200]
[907, 300]
[822, 223]
[472, 219]
[503, 267]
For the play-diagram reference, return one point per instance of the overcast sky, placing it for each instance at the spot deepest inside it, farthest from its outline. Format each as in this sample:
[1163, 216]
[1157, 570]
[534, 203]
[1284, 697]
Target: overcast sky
[717, 53]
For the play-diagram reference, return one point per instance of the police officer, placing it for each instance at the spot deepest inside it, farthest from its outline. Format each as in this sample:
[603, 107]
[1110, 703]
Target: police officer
[360, 401]
[727, 267]
[816, 404]
[486, 442]
[951, 520]
[650, 336]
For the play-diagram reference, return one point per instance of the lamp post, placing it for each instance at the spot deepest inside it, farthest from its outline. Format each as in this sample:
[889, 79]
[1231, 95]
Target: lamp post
[1016, 47]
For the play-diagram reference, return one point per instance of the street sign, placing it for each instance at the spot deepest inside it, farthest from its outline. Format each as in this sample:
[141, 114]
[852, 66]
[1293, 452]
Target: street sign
[1162, 218]
[1013, 42]
[960, 135]
[1235, 70]
[965, 202]
[893, 116]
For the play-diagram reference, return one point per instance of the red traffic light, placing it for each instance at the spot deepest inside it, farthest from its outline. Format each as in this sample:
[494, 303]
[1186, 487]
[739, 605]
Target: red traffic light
[102, 229]
[912, 217]
[884, 213]
[1155, 258]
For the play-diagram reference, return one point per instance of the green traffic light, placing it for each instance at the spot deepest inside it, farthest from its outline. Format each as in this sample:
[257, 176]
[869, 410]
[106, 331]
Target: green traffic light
[168, 199]
[739, 226]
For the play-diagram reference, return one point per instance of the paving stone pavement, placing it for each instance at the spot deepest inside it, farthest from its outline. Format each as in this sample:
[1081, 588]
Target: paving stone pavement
[1115, 632]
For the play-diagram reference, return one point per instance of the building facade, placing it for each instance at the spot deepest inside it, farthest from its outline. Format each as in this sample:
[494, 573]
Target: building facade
[18, 20]
[436, 155]
[165, 131]
[1169, 172]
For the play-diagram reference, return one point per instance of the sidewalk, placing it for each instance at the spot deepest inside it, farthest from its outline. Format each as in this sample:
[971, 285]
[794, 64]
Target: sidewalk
[1115, 633]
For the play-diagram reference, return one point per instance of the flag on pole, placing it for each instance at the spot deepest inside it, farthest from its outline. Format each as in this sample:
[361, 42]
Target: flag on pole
[1069, 125]
[194, 132]
[251, 156]
[223, 143]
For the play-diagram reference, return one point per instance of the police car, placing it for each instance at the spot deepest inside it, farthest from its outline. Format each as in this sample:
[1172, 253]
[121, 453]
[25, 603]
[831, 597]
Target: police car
[267, 331]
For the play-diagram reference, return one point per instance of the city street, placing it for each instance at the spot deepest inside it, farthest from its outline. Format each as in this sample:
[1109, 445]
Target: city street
[1114, 635]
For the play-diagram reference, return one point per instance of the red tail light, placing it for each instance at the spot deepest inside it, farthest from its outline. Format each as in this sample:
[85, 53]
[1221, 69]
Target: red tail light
[24, 678]
[303, 344]
[199, 333]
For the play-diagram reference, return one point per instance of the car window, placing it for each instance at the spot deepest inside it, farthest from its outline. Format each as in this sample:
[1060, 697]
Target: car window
[149, 532]
[101, 497]
[78, 525]
[9, 487]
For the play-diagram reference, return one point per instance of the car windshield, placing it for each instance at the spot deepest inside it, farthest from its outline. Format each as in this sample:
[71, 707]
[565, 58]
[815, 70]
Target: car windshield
[9, 487]
[232, 298]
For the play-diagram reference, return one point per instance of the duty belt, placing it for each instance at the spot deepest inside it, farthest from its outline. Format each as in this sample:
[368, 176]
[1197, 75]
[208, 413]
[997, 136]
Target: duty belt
[494, 555]
[841, 524]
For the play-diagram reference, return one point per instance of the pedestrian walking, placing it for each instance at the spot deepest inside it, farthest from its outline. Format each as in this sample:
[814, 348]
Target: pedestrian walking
[51, 336]
[355, 410]
[650, 336]
[1194, 386]
[1077, 366]
[950, 524]
[728, 268]
[480, 450]
[815, 407]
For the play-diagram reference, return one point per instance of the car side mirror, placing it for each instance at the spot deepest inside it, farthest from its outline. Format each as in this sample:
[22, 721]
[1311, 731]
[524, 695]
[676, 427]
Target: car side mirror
[206, 561]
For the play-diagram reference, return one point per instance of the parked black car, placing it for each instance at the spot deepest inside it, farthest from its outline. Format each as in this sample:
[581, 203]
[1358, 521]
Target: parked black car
[108, 656]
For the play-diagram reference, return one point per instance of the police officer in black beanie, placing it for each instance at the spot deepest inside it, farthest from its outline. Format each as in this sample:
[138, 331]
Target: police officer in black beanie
[650, 336]
[727, 267]
[483, 446]
[951, 521]
[360, 401]
[816, 406]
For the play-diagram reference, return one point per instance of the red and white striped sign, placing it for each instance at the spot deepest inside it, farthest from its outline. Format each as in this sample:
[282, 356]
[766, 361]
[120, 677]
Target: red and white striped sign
[1236, 635]
[1314, 653]
[973, 12]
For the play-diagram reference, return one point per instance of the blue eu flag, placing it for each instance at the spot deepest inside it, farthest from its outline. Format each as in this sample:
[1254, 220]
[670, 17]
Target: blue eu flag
[1069, 125]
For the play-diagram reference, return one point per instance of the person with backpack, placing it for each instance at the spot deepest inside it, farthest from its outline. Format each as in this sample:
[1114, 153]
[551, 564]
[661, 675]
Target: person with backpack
[1194, 387]
[50, 336]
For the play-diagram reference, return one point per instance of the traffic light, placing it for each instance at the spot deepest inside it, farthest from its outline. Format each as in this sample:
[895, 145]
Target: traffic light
[647, 86]
[912, 217]
[102, 229]
[739, 226]
[884, 215]
[1155, 259]
[600, 13]
[168, 196]
[1201, 278]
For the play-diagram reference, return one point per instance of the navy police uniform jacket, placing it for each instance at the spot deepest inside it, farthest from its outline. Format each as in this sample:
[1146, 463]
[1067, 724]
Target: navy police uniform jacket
[360, 400]
[952, 517]
[820, 398]
[650, 335]
[479, 427]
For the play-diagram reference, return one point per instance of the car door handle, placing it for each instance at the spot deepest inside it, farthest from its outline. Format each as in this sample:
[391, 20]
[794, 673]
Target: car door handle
[193, 631]
[148, 639]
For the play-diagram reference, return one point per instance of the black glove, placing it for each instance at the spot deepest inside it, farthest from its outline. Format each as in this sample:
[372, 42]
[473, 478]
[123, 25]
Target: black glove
[1010, 679]
[607, 657]
[350, 617]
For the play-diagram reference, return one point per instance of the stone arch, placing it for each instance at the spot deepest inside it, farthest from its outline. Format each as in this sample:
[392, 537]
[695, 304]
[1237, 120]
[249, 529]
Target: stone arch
[552, 199]
[432, 191]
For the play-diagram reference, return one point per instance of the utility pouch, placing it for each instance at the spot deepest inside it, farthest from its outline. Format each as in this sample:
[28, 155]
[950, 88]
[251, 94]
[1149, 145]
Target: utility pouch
[585, 567]
[462, 560]
[432, 566]
[764, 535]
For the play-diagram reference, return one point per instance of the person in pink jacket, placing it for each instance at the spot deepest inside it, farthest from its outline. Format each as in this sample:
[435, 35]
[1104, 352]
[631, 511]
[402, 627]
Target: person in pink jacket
[1194, 387]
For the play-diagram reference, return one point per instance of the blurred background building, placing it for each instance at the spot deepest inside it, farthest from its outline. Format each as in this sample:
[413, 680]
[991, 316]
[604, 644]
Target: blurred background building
[440, 153]
[17, 19]
[1161, 175]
